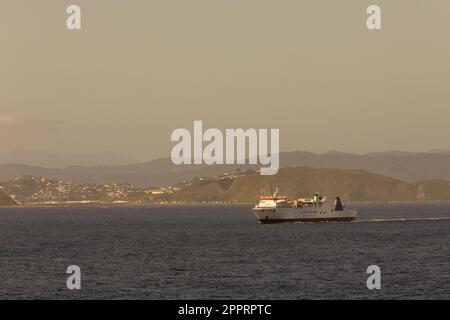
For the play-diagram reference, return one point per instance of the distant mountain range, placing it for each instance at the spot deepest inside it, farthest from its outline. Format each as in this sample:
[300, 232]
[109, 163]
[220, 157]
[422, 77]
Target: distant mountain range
[46, 159]
[153, 173]
[405, 166]
[350, 185]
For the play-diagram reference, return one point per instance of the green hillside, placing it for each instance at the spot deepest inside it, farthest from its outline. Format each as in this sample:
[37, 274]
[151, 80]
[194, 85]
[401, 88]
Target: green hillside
[350, 185]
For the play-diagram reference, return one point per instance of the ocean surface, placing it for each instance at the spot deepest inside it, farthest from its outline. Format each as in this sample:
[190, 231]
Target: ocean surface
[220, 252]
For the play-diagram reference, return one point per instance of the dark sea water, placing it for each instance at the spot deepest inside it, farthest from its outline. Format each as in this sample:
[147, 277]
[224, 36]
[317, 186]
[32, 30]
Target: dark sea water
[220, 252]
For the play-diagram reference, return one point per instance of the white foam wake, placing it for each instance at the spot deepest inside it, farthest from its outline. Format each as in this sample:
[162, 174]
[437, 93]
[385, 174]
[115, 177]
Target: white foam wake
[401, 219]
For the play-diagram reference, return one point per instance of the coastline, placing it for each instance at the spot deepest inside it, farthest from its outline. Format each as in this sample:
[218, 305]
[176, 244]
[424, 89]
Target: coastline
[190, 204]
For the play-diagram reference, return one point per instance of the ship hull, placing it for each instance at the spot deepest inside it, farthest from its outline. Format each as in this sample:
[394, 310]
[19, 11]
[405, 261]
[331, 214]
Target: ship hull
[306, 220]
[306, 215]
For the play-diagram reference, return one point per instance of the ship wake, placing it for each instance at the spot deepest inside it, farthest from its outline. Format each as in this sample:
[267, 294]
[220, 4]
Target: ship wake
[401, 219]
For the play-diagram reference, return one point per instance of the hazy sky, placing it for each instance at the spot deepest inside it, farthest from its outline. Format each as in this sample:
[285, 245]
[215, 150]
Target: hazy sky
[140, 69]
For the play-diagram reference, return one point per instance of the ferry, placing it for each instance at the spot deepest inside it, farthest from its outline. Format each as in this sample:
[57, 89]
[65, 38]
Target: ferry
[278, 209]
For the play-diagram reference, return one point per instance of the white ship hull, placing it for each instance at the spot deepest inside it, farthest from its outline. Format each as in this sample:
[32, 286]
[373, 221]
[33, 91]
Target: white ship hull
[318, 213]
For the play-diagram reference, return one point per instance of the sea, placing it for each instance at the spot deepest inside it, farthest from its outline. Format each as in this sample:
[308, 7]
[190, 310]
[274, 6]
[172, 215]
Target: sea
[220, 252]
